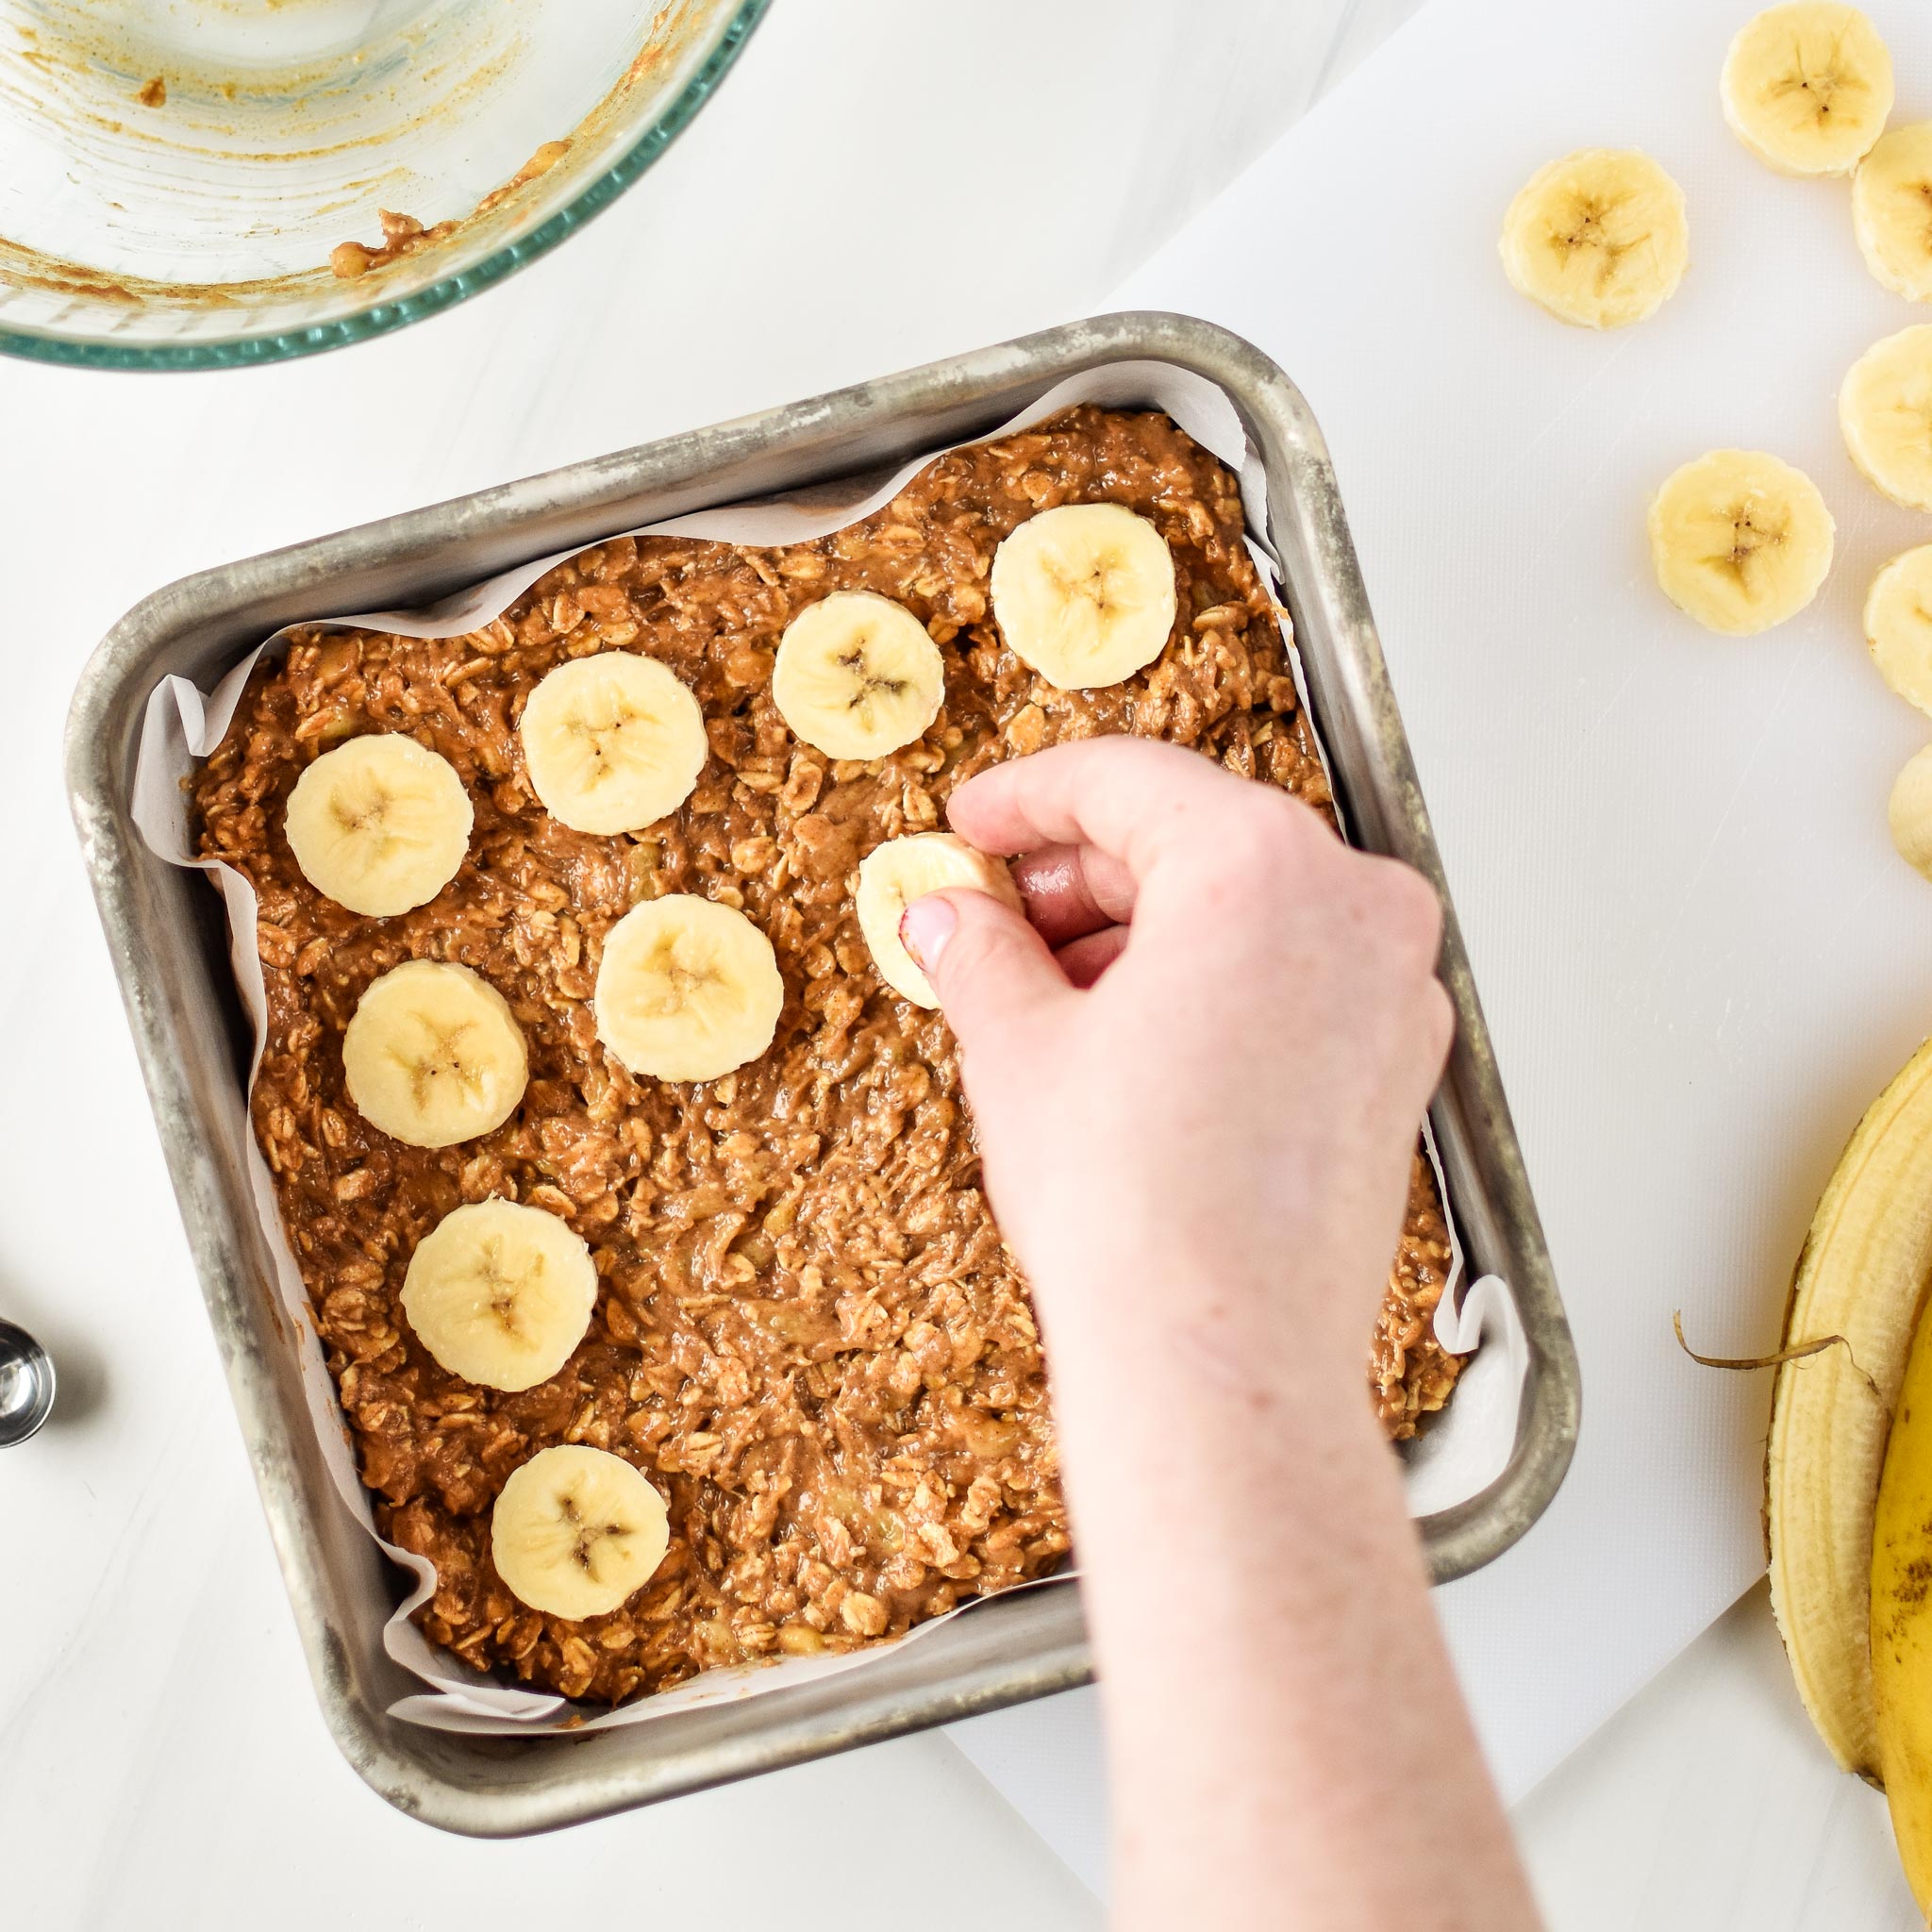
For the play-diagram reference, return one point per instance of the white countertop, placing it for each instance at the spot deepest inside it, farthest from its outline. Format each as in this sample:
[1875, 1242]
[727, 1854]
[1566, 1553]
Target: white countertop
[162, 1758]
[1708, 1803]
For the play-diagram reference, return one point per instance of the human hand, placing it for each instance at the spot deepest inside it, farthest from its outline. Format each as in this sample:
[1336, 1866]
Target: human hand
[1204, 1062]
[1197, 1067]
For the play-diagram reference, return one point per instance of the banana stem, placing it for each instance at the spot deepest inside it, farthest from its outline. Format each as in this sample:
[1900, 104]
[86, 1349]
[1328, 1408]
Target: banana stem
[1796, 1351]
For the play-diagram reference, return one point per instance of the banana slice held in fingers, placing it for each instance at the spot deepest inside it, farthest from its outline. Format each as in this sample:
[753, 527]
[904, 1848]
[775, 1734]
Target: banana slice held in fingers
[501, 1294]
[576, 1531]
[1807, 87]
[857, 676]
[1740, 541]
[687, 989]
[894, 875]
[1598, 238]
[613, 743]
[433, 1055]
[1898, 625]
[379, 824]
[1885, 414]
[1085, 594]
[1891, 211]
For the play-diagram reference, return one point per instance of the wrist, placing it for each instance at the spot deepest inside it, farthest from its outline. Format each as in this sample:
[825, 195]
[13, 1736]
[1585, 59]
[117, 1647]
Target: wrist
[1224, 1328]
[1218, 1430]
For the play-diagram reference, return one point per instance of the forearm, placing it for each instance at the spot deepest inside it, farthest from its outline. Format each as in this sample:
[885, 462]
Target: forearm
[1287, 1740]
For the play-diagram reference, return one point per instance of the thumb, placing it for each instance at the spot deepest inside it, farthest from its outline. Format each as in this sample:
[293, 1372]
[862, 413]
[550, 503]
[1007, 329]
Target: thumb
[988, 965]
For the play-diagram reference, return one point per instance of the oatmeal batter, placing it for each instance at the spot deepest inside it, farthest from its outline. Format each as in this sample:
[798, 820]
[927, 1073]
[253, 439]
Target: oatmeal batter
[807, 1334]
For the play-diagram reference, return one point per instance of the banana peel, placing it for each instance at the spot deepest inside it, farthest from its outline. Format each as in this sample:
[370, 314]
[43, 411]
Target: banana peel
[1862, 1276]
[1901, 1629]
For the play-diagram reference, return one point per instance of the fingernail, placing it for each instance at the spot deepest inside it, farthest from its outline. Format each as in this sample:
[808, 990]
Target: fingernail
[925, 928]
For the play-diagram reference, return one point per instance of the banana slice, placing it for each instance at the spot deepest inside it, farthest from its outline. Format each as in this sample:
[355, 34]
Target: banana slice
[1910, 813]
[894, 875]
[433, 1055]
[1885, 413]
[1598, 238]
[1085, 594]
[857, 676]
[500, 1293]
[577, 1531]
[1740, 541]
[687, 989]
[1807, 87]
[613, 743]
[379, 824]
[1898, 625]
[1891, 211]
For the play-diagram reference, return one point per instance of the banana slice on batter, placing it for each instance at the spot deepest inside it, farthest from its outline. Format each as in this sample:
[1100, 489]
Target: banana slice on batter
[501, 1294]
[1807, 87]
[576, 1532]
[1598, 238]
[379, 824]
[1085, 594]
[1740, 539]
[894, 875]
[1885, 414]
[857, 676]
[433, 1055]
[687, 989]
[613, 743]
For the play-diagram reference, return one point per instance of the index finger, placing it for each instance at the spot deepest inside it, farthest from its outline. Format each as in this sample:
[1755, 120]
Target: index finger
[1134, 798]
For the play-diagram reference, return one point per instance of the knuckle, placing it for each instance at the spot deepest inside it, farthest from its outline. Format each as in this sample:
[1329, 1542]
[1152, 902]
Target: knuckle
[1266, 834]
[1408, 911]
[1438, 1020]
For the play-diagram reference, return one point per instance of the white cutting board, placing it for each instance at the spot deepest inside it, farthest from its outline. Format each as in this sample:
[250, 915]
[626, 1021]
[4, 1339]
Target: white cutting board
[1699, 955]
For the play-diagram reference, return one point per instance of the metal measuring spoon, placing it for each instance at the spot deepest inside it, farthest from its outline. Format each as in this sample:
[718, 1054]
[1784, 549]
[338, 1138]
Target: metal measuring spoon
[27, 1385]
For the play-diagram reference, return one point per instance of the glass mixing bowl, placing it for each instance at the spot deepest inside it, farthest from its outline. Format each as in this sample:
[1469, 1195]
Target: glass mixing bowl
[188, 184]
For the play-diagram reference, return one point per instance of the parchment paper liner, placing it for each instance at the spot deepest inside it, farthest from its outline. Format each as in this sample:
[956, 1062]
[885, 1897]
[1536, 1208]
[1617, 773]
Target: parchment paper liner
[1464, 1449]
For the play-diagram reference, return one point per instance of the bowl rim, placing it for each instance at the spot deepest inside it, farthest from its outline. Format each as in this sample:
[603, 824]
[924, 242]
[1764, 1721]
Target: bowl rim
[383, 317]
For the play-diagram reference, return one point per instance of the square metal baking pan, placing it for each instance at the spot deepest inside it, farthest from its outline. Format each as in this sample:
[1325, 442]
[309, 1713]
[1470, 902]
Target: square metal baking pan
[164, 929]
